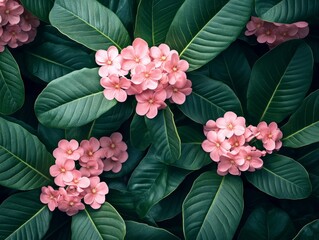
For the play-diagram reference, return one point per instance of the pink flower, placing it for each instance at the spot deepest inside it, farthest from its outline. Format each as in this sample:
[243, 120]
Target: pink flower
[149, 102]
[216, 145]
[95, 195]
[230, 124]
[78, 181]
[229, 164]
[251, 157]
[267, 33]
[270, 136]
[90, 149]
[161, 54]
[91, 168]
[70, 204]
[210, 126]
[147, 75]
[176, 69]
[178, 92]
[111, 62]
[236, 142]
[49, 196]
[303, 29]
[14, 36]
[134, 89]
[62, 171]
[11, 12]
[68, 150]
[28, 21]
[115, 163]
[113, 145]
[136, 54]
[115, 87]
[253, 26]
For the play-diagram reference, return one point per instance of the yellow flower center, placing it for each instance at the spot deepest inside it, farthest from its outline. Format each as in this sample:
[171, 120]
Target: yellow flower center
[93, 190]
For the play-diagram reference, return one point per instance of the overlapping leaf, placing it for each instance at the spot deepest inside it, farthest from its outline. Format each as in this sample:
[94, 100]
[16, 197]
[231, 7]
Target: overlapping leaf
[104, 223]
[203, 29]
[279, 81]
[286, 11]
[210, 99]
[24, 159]
[164, 135]
[39, 8]
[23, 216]
[213, 207]
[72, 100]
[309, 232]
[281, 177]
[139, 134]
[89, 23]
[302, 127]
[153, 19]
[11, 84]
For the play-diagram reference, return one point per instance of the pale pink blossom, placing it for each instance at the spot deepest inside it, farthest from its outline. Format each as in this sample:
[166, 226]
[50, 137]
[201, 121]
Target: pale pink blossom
[253, 26]
[114, 87]
[251, 157]
[176, 69]
[210, 126]
[134, 89]
[68, 150]
[267, 33]
[49, 196]
[70, 204]
[78, 181]
[113, 145]
[161, 54]
[115, 162]
[147, 75]
[91, 149]
[28, 21]
[11, 12]
[149, 102]
[229, 164]
[177, 93]
[231, 125]
[62, 171]
[95, 193]
[14, 36]
[237, 142]
[270, 136]
[91, 168]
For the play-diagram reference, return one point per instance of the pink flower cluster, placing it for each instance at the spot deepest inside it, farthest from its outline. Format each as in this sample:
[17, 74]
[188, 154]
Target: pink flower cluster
[17, 26]
[93, 157]
[155, 74]
[228, 143]
[275, 33]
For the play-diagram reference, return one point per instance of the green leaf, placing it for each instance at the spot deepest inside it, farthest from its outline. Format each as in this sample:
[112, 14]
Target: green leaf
[50, 136]
[104, 223]
[281, 78]
[281, 177]
[23, 216]
[152, 181]
[203, 29]
[303, 125]
[72, 100]
[164, 135]
[60, 227]
[286, 11]
[210, 99]
[136, 230]
[153, 19]
[263, 224]
[39, 8]
[24, 159]
[49, 61]
[11, 84]
[309, 232]
[213, 207]
[95, 31]
[139, 134]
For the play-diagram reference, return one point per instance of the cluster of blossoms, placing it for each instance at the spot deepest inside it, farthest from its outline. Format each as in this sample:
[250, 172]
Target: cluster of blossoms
[17, 26]
[93, 156]
[228, 142]
[151, 74]
[275, 33]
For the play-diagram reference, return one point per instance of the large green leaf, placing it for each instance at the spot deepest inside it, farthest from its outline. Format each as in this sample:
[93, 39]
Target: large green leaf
[24, 159]
[262, 224]
[39, 8]
[72, 100]
[153, 181]
[139, 134]
[210, 99]
[309, 232]
[11, 84]
[153, 19]
[23, 216]
[286, 11]
[164, 135]
[136, 230]
[213, 207]
[49, 61]
[202, 29]
[281, 177]
[104, 223]
[303, 125]
[279, 81]
[89, 23]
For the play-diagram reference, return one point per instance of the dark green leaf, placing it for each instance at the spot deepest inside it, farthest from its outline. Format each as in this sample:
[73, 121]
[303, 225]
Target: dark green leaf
[281, 177]
[23, 158]
[95, 31]
[72, 100]
[50, 136]
[309, 232]
[213, 207]
[202, 29]
[23, 216]
[139, 134]
[279, 82]
[210, 99]
[303, 125]
[11, 84]
[153, 19]
[39, 8]
[104, 223]
[164, 135]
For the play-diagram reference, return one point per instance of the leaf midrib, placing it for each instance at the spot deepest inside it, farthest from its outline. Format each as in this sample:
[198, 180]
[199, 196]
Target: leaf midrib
[300, 130]
[93, 223]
